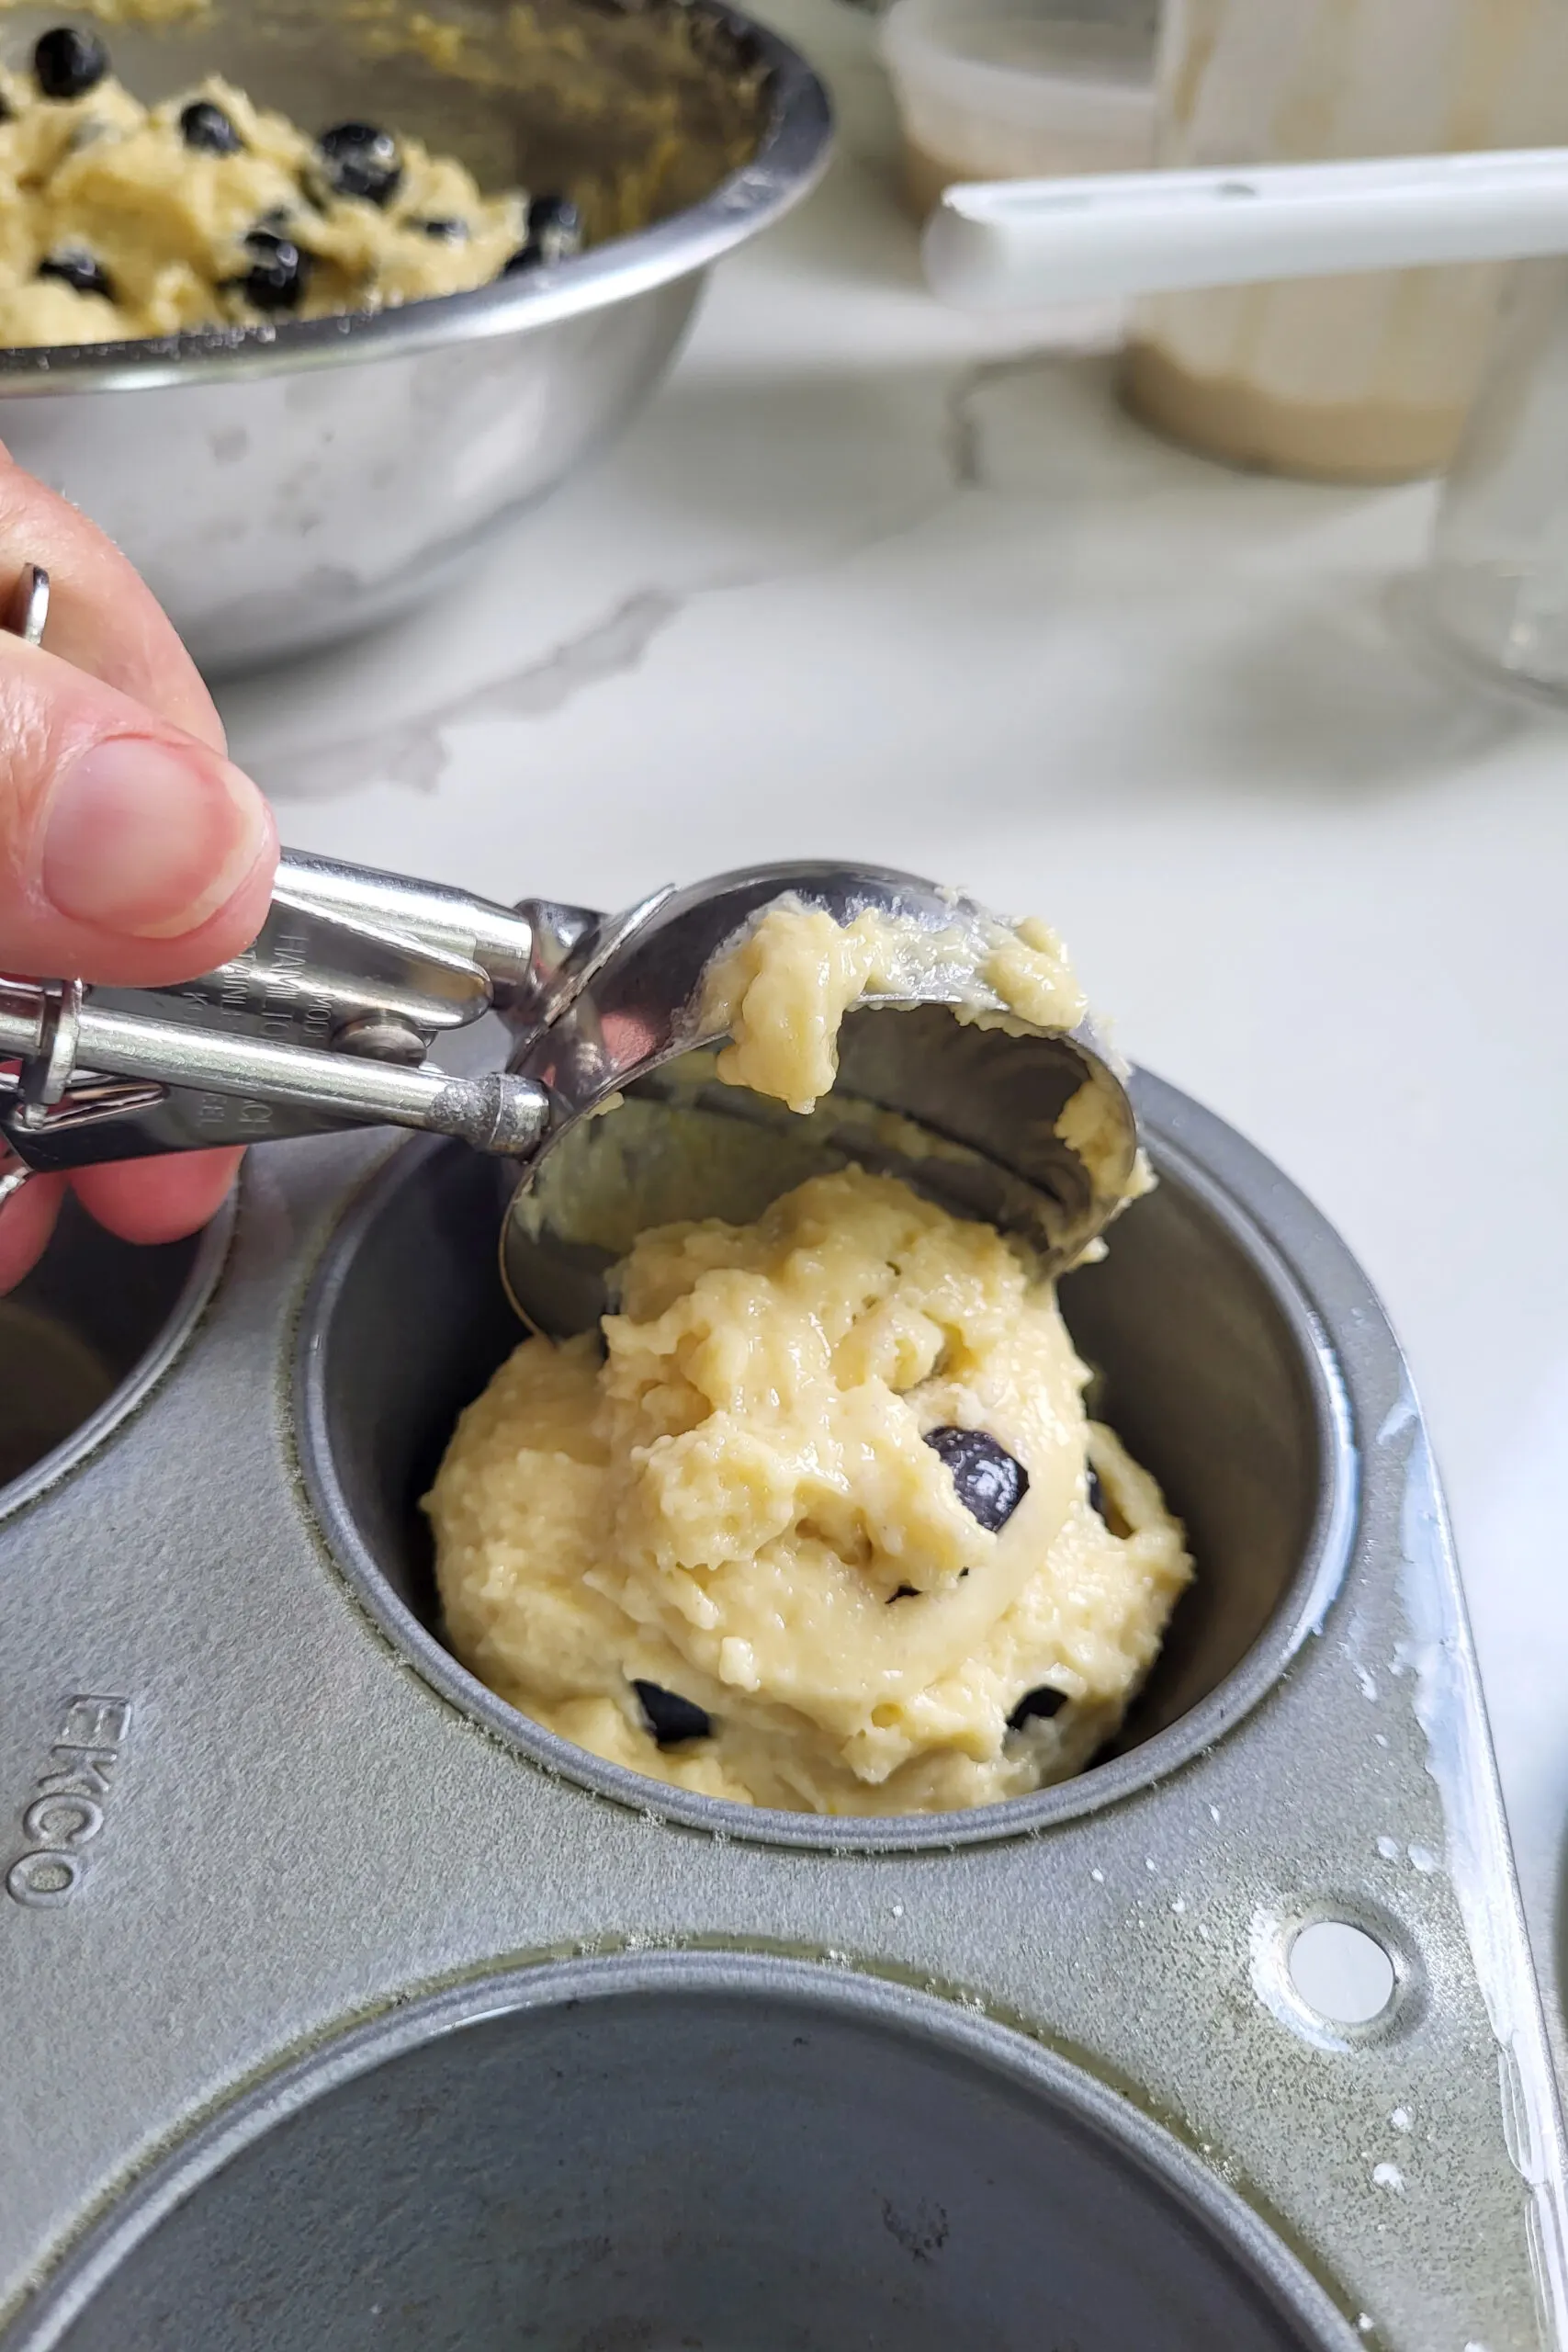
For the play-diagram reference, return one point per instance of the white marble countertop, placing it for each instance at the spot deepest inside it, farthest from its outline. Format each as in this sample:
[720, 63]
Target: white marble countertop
[871, 580]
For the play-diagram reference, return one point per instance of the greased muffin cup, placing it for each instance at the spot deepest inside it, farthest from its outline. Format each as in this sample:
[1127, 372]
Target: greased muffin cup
[715, 2151]
[1197, 1360]
[87, 1336]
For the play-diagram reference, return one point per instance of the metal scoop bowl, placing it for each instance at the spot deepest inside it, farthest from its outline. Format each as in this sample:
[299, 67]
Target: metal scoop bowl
[643, 1132]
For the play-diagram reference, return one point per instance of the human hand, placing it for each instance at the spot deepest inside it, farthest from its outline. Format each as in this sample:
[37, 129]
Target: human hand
[131, 850]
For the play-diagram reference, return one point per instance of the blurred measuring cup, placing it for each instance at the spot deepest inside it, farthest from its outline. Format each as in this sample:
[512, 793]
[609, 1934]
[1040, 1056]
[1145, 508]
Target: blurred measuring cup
[1496, 590]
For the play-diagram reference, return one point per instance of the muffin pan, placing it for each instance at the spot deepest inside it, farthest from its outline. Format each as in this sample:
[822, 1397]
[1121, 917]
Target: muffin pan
[357, 2010]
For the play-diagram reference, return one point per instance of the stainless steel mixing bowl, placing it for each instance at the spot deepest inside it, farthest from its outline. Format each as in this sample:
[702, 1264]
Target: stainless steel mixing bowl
[284, 486]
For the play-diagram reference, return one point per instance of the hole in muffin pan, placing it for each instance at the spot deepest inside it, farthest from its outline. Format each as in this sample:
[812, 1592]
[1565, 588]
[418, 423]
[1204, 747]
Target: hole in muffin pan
[1210, 1365]
[1341, 1973]
[682, 2150]
[84, 1337]
[1337, 1972]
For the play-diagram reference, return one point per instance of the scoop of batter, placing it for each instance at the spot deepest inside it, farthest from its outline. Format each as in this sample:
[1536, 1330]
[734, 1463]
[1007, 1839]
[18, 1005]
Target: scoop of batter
[822, 1525]
[118, 220]
[782, 989]
[819, 1520]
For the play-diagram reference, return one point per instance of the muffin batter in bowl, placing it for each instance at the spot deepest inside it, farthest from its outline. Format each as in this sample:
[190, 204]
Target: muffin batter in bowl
[119, 221]
[819, 1520]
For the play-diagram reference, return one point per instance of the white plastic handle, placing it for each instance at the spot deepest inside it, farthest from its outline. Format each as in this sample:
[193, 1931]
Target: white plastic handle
[1014, 244]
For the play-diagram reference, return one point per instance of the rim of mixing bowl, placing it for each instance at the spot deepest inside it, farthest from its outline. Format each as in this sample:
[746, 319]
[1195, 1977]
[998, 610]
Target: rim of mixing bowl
[789, 161]
[206, 1265]
[1177, 1132]
[928, 2030]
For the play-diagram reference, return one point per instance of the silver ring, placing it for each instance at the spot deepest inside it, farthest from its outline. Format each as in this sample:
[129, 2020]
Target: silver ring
[11, 1182]
[26, 612]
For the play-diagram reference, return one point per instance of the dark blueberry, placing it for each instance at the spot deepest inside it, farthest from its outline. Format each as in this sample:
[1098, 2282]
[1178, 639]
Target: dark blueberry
[555, 233]
[362, 161]
[990, 1483]
[278, 273]
[208, 130]
[556, 225]
[447, 232]
[67, 64]
[671, 1721]
[1040, 1704]
[1104, 1507]
[79, 271]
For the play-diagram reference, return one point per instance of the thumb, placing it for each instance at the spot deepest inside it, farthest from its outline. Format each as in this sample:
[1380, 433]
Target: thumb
[129, 850]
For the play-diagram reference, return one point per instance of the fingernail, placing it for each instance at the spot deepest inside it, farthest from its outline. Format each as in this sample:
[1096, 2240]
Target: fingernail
[150, 840]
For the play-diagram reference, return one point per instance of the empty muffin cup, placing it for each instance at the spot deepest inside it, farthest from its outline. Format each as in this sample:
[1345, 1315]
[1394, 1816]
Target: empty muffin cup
[651, 2153]
[85, 1336]
[1209, 1364]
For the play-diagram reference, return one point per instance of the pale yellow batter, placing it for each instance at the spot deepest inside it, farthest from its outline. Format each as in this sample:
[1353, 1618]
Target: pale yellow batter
[821, 1521]
[781, 993]
[119, 221]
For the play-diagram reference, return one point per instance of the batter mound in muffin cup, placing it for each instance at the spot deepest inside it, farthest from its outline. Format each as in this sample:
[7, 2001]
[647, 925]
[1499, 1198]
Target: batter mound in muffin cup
[818, 1518]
